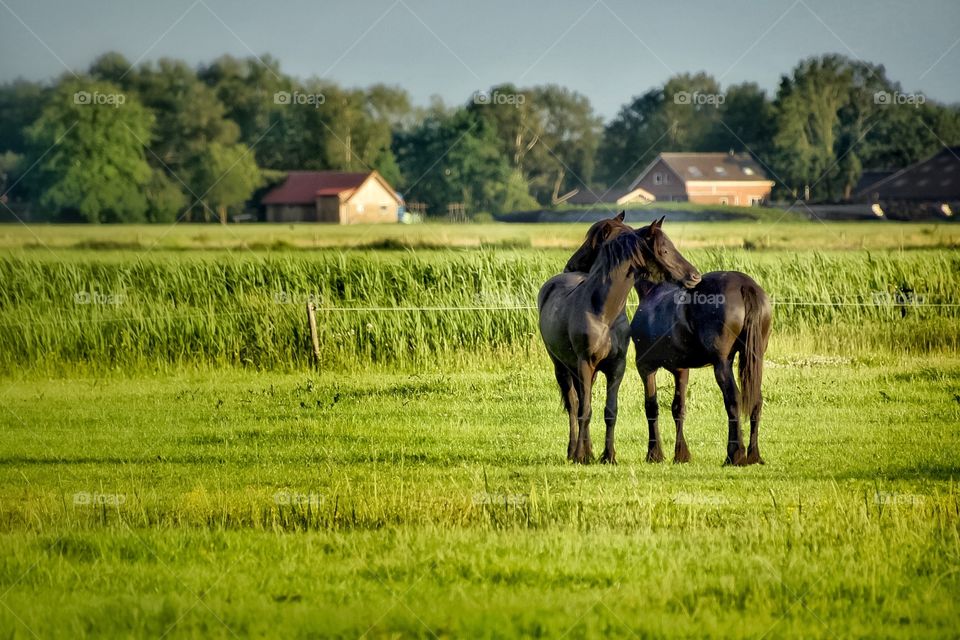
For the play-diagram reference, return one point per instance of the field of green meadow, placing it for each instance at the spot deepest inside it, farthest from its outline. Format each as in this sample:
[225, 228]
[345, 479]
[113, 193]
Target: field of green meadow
[173, 464]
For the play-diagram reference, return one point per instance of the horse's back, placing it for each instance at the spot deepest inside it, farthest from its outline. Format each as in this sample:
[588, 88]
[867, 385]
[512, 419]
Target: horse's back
[675, 327]
[558, 287]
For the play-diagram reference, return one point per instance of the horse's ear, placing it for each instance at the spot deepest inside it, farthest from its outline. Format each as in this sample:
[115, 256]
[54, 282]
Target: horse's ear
[659, 223]
[621, 216]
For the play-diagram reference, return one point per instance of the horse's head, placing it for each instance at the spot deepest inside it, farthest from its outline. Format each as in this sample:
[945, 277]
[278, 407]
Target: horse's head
[661, 260]
[600, 232]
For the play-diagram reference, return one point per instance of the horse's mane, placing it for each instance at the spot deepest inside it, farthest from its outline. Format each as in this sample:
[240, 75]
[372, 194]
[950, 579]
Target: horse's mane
[616, 251]
[586, 255]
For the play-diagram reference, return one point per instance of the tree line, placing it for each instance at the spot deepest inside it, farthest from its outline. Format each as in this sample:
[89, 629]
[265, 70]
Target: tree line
[163, 140]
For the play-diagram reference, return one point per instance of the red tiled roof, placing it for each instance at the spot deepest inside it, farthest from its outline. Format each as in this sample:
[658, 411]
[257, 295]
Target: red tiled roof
[303, 187]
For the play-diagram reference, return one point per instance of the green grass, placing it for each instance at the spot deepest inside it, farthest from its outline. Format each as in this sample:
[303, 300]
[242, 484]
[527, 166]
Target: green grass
[440, 503]
[773, 231]
[169, 309]
[171, 464]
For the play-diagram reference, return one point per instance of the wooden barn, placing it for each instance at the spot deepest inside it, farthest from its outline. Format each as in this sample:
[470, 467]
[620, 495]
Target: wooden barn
[335, 197]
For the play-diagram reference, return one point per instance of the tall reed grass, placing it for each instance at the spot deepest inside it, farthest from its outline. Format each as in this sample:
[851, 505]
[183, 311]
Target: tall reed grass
[118, 310]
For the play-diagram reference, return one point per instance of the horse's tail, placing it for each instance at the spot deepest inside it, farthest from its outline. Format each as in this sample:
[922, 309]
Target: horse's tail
[756, 332]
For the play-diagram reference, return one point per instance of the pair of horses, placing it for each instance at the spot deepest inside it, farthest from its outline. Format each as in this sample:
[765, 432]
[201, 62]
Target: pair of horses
[685, 320]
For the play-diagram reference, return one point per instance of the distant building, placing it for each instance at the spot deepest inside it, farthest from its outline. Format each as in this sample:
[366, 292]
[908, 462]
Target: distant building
[706, 178]
[871, 176]
[332, 196]
[928, 186]
[610, 196]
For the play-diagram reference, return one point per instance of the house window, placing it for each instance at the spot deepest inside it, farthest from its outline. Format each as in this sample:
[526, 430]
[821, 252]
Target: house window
[658, 178]
[756, 201]
[724, 200]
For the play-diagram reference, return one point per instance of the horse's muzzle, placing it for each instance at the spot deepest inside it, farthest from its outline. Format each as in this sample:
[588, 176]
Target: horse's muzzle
[692, 280]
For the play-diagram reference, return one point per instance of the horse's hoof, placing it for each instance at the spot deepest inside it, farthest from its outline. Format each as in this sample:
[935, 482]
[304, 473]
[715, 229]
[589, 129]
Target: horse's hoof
[753, 457]
[681, 457]
[583, 455]
[736, 458]
[655, 455]
[608, 458]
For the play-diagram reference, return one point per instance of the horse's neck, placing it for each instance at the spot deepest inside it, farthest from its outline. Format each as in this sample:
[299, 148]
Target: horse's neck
[614, 287]
[643, 287]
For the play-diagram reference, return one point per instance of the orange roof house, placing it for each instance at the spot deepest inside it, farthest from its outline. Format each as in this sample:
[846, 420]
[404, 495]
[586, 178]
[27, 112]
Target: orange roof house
[332, 196]
[707, 178]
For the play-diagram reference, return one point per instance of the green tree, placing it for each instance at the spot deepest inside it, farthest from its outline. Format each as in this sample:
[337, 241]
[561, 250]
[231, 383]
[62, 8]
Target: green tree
[456, 158]
[114, 67]
[548, 133]
[228, 177]
[248, 86]
[745, 121]
[680, 116]
[826, 111]
[632, 139]
[691, 110]
[20, 102]
[194, 143]
[90, 160]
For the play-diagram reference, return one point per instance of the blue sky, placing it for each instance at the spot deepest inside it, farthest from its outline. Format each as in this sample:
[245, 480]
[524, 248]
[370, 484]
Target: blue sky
[608, 50]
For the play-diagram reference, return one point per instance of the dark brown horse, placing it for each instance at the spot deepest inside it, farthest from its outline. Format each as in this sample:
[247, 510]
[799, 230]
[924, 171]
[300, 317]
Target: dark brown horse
[678, 329]
[585, 329]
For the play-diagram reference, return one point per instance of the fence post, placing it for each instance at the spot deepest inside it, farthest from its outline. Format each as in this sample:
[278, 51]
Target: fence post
[312, 319]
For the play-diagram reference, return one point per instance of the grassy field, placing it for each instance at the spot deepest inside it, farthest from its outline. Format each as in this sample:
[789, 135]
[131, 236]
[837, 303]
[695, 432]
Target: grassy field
[776, 232]
[172, 466]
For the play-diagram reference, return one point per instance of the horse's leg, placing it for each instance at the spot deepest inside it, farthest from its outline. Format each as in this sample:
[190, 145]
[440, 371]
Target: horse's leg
[736, 455]
[753, 451]
[654, 451]
[584, 450]
[568, 393]
[679, 409]
[614, 375]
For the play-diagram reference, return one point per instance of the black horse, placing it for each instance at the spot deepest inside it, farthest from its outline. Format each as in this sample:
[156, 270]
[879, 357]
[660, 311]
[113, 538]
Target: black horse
[678, 329]
[585, 330]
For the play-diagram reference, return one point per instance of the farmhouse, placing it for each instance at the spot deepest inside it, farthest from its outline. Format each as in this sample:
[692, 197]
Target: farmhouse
[708, 178]
[932, 185]
[332, 196]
